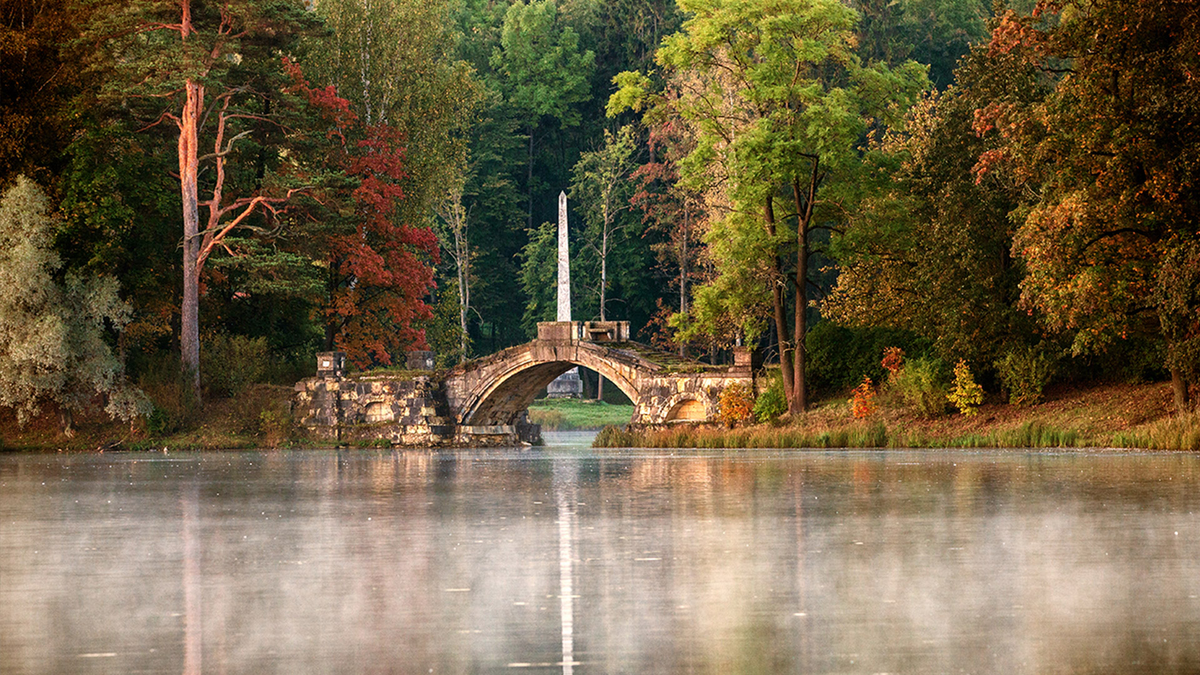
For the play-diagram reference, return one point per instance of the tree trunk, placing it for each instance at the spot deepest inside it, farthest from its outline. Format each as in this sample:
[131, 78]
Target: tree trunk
[529, 183]
[464, 280]
[66, 421]
[189, 328]
[1179, 387]
[604, 265]
[683, 274]
[603, 288]
[804, 211]
[779, 304]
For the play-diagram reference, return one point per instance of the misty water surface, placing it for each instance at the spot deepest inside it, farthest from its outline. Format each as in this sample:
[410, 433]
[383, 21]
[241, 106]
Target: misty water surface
[567, 560]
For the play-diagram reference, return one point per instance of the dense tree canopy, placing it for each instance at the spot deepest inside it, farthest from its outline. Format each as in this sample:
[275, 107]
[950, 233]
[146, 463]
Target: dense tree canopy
[777, 101]
[991, 181]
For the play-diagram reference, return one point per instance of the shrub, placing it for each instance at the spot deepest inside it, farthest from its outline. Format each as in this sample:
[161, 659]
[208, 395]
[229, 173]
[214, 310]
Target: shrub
[173, 404]
[263, 411]
[548, 419]
[839, 356]
[863, 403]
[231, 363]
[771, 403]
[735, 404]
[922, 386]
[893, 360]
[967, 394]
[1024, 373]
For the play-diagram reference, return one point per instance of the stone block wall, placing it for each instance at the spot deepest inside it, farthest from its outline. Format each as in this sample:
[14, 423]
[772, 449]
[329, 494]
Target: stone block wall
[397, 411]
[681, 398]
[408, 412]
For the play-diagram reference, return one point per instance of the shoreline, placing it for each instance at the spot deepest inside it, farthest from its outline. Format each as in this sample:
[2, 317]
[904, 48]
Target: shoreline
[1105, 417]
[1095, 418]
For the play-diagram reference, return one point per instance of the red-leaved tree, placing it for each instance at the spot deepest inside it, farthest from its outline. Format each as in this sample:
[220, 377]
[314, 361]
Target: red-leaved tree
[378, 271]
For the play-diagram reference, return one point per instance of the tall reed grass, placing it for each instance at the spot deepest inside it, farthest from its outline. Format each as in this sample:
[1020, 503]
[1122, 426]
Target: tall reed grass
[864, 435]
[1179, 432]
[872, 434]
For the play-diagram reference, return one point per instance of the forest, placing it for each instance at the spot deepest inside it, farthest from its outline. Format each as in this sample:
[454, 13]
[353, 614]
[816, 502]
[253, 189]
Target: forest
[198, 196]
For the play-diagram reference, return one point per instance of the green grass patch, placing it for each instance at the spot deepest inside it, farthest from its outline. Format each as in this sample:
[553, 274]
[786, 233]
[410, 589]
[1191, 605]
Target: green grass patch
[573, 414]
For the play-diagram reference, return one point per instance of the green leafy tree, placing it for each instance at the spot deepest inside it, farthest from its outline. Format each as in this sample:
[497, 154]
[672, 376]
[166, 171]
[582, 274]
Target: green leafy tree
[395, 60]
[778, 101]
[675, 214]
[543, 74]
[453, 230]
[601, 189]
[53, 346]
[934, 32]
[929, 248]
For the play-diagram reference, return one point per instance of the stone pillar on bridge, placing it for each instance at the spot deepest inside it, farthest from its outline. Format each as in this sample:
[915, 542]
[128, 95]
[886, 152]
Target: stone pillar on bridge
[569, 384]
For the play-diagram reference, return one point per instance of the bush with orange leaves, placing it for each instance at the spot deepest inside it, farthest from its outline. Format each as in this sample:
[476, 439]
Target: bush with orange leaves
[735, 405]
[893, 360]
[863, 403]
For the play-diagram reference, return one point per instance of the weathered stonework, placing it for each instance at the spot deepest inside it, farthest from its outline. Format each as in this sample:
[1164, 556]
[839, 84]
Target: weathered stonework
[404, 411]
[494, 389]
[483, 402]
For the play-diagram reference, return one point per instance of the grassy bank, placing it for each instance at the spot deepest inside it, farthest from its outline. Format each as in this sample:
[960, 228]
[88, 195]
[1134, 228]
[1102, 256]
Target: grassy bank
[570, 414]
[259, 417]
[1108, 416]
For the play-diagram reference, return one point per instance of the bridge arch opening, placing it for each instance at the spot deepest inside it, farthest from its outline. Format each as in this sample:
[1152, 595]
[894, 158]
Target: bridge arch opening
[512, 392]
[688, 410]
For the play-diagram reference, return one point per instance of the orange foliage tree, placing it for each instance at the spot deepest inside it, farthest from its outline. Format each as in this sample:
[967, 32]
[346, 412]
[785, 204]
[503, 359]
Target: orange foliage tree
[1108, 159]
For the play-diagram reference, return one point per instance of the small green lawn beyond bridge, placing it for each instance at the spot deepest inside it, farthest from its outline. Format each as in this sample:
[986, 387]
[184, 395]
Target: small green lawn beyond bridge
[571, 414]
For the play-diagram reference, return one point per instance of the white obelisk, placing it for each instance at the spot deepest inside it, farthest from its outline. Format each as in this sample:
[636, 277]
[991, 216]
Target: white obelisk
[567, 385]
[564, 262]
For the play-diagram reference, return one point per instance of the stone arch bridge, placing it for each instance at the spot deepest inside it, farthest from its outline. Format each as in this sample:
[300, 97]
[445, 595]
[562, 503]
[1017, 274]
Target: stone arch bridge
[483, 401]
[496, 389]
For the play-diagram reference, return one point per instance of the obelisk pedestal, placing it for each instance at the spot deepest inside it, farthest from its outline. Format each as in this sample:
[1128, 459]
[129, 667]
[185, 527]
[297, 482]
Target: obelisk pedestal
[567, 385]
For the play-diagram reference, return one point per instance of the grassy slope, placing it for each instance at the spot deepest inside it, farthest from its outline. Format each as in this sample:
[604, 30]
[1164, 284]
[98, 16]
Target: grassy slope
[1102, 416]
[224, 423]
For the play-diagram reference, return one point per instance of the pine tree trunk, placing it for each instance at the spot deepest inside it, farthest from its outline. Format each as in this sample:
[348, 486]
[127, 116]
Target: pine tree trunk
[189, 324]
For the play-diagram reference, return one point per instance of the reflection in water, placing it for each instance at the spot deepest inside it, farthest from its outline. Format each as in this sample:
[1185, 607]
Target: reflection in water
[450, 562]
[564, 492]
[192, 621]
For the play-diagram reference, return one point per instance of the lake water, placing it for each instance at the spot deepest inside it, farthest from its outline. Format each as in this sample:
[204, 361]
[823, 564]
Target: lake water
[564, 559]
